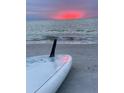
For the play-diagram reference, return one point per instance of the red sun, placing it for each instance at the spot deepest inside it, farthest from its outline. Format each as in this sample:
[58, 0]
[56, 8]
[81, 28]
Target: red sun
[68, 15]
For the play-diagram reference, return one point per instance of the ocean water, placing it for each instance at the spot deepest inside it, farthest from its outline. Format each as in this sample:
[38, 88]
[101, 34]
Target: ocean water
[84, 31]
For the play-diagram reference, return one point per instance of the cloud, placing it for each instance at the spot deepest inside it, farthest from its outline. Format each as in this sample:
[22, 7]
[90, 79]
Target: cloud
[44, 8]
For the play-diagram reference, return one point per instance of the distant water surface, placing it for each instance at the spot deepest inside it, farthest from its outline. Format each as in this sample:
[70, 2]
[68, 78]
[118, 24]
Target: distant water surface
[82, 31]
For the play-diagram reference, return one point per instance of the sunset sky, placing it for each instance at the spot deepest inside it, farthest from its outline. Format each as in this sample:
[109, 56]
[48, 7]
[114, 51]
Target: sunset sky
[61, 9]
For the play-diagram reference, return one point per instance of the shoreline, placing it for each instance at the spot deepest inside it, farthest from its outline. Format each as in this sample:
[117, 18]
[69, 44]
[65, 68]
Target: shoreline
[60, 42]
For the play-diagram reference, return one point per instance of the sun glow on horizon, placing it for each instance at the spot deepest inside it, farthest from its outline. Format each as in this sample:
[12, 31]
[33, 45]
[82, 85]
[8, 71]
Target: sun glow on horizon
[68, 15]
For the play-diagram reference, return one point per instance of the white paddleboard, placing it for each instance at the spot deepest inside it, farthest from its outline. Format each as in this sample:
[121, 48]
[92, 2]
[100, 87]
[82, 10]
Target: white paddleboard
[45, 74]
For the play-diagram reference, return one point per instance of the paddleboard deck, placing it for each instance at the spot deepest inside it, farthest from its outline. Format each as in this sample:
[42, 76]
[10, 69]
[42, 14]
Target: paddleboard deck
[45, 74]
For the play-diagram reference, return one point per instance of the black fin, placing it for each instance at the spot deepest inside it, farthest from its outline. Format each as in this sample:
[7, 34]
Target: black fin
[52, 54]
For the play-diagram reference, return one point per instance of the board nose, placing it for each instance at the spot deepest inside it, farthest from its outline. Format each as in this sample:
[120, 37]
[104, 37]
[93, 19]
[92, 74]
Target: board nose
[66, 58]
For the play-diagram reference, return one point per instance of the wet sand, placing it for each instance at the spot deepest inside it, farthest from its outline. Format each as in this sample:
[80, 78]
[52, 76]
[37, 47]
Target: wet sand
[83, 77]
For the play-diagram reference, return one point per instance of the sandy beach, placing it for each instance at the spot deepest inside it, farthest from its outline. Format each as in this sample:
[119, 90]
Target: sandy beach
[83, 77]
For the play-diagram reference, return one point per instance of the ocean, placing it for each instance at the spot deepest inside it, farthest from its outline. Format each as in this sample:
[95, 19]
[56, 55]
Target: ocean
[83, 31]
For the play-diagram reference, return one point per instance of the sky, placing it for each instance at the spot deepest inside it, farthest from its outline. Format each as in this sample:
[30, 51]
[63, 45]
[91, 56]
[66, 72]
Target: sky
[61, 9]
